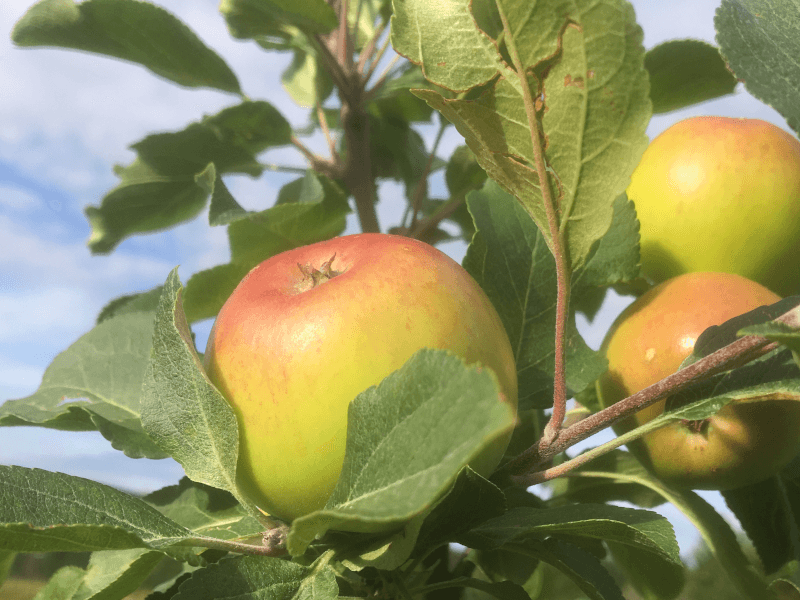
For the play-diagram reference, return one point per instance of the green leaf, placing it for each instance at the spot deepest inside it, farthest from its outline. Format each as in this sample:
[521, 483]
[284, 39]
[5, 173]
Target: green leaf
[397, 151]
[715, 531]
[143, 201]
[760, 39]
[463, 173]
[503, 590]
[470, 502]
[595, 108]
[434, 412]
[205, 510]
[615, 257]
[777, 332]
[223, 209]
[260, 577]
[625, 480]
[773, 376]
[141, 302]
[116, 28]
[768, 512]
[257, 18]
[306, 79]
[7, 559]
[104, 369]
[168, 182]
[110, 574]
[307, 189]
[580, 566]
[260, 235]
[442, 37]
[612, 261]
[647, 531]
[63, 584]
[42, 511]
[650, 574]
[510, 260]
[686, 72]
[395, 100]
[181, 409]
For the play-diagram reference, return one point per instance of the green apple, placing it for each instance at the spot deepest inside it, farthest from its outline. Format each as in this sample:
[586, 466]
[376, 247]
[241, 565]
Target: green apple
[721, 194]
[742, 443]
[309, 329]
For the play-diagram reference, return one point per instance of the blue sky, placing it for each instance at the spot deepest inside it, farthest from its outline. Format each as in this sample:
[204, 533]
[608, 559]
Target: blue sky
[66, 118]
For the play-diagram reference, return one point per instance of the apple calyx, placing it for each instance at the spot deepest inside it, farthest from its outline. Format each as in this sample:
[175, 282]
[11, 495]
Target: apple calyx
[696, 426]
[312, 277]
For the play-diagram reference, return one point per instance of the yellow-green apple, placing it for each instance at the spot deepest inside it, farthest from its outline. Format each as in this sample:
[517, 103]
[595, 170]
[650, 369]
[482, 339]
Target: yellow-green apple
[743, 442]
[309, 329]
[721, 194]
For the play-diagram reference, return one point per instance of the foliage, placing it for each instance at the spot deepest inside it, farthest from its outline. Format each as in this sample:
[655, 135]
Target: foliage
[552, 99]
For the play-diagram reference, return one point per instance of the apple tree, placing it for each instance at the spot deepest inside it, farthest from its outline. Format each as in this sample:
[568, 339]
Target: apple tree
[552, 100]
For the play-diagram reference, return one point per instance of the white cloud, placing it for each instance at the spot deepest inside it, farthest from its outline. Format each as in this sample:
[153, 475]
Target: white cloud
[18, 199]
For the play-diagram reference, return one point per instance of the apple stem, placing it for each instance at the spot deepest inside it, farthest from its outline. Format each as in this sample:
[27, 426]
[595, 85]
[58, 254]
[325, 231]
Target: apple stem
[558, 244]
[521, 469]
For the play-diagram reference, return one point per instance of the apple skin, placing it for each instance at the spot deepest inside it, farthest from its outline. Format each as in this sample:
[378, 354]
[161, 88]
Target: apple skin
[742, 443]
[289, 357]
[721, 194]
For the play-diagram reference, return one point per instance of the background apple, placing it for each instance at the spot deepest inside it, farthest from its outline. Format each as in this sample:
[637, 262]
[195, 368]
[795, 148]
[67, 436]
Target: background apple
[721, 194]
[309, 329]
[742, 443]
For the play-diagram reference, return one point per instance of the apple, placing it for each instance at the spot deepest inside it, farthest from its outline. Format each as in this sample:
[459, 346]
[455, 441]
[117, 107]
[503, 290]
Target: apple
[309, 329]
[742, 443]
[721, 194]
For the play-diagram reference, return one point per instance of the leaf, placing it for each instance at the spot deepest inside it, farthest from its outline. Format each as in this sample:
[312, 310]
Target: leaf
[778, 332]
[104, 369]
[261, 235]
[434, 412]
[580, 566]
[510, 260]
[649, 574]
[459, 60]
[165, 186]
[204, 510]
[503, 590]
[63, 584]
[111, 574]
[260, 577]
[463, 173]
[181, 409]
[760, 39]
[714, 530]
[470, 502]
[256, 18]
[307, 189]
[394, 99]
[772, 377]
[223, 208]
[42, 511]
[593, 118]
[686, 72]
[114, 28]
[306, 79]
[386, 553]
[644, 530]
[614, 258]
[719, 336]
[625, 480]
[141, 302]
[768, 512]
[612, 261]
[7, 559]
